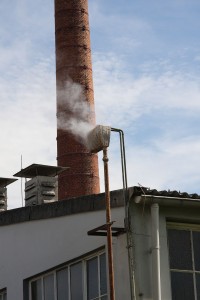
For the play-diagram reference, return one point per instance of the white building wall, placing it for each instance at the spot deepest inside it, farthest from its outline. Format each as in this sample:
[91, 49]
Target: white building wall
[141, 224]
[29, 248]
[141, 228]
[121, 268]
[164, 262]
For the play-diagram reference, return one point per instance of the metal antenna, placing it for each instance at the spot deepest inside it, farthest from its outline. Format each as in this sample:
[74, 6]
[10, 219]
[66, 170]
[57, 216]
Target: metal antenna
[22, 197]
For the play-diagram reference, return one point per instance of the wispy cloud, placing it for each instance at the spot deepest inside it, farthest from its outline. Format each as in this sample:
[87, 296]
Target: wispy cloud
[28, 120]
[119, 31]
[157, 111]
[130, 97]
[146, 81]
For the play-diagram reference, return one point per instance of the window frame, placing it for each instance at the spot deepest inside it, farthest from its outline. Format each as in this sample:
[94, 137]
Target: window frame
[3, 292]
[83, 260]
[99, 277]
[190, 228]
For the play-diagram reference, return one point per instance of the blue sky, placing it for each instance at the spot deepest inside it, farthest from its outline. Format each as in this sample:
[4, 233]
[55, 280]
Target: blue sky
[146, 67]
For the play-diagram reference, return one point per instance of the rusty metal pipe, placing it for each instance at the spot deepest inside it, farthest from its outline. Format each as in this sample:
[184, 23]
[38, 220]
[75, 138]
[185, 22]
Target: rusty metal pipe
[99, 139]
[108, 223]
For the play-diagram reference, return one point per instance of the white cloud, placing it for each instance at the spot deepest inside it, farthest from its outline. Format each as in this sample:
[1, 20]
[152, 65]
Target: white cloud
[119, 31]
[28, 121]
[169, 157]
[174, 166]
[127, 94]
[29, 127]
[129, 97]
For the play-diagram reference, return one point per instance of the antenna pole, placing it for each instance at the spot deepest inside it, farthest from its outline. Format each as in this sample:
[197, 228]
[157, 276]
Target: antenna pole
[22, 185]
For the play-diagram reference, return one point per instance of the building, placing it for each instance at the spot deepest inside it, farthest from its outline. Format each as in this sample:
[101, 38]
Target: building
[166, 239]
[46, 252]
[45, 246]
[57, 250]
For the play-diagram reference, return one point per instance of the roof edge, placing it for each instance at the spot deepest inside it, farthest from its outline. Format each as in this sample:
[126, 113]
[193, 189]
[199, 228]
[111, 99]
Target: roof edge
[90, 203]
[166, 201]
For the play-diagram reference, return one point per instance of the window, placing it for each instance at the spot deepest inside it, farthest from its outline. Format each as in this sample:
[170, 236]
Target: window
[81, 280]
[184, 258]
[96, 278]
[3, 294]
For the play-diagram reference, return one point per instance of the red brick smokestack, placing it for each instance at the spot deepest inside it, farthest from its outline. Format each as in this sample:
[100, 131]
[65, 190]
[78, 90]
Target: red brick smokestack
[73, 60]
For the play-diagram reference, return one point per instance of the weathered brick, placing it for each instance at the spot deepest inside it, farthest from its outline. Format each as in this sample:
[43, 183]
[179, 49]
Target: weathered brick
[73, 60]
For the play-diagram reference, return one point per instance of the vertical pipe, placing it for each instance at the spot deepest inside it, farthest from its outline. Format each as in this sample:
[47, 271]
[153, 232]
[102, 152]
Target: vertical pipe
[129, 234]
[156, 285]
[109, 223]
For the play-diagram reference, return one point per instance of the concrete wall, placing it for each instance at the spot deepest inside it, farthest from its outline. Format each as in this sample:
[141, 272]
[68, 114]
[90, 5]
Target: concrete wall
[57, 233]
[141, 227]
[28, 248]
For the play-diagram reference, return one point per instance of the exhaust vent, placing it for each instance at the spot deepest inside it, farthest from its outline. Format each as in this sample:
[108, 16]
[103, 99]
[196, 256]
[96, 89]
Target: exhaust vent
[99, 138]
[3, 191]
[42, 184]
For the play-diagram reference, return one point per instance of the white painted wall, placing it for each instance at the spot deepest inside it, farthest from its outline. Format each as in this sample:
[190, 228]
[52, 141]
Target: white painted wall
[141, 228]
[32, 247]
[121, 268]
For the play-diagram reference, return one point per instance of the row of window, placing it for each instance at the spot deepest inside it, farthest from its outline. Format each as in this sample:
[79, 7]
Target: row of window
[86, 279]
[83, 280]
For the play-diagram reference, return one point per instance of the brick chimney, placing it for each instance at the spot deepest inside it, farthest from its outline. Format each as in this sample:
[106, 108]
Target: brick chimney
[73, 62]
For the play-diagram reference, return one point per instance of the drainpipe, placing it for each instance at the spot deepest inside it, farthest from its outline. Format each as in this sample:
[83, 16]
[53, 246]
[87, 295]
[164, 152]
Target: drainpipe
[155, 251]
[99, 139]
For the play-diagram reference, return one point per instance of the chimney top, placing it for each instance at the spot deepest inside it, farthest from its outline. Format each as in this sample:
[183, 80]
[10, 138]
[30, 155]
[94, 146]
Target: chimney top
[6, 181]
[40, 170]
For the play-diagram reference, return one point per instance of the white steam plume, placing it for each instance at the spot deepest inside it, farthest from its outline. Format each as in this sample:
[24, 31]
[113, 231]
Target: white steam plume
[75, 112]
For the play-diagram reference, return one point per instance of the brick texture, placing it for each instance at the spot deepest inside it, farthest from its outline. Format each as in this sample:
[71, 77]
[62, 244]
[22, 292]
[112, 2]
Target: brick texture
[73, 60]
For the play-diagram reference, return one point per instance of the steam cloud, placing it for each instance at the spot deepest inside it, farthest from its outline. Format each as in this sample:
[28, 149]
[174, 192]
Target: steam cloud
[75, 112]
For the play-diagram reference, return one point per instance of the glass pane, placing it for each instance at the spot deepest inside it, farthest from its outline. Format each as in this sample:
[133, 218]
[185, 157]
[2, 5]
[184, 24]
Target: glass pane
[198, 286]
[103, 279]
[182, 286]
[1, 297]
[104, 298]
[36, 290]
[76, 282]
[62, 284]
[196, 246]
[49, 287]
[92, 278]
[180, 249]
[5, 296]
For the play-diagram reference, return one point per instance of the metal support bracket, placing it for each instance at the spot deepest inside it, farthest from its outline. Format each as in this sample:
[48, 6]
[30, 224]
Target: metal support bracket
[102, 230]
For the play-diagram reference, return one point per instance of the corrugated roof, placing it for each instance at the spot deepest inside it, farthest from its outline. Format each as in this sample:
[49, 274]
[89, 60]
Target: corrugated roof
[139, 190]
[89, 203]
